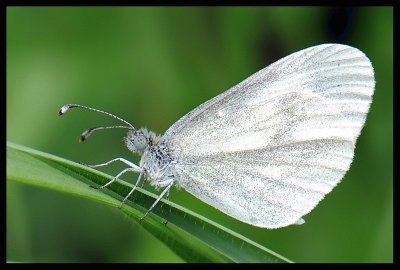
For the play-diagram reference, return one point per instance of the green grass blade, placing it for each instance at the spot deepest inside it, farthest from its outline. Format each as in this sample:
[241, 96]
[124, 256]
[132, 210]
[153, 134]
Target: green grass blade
[192, 236]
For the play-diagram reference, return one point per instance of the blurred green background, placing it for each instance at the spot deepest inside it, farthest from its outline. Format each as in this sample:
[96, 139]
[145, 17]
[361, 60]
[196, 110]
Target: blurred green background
[151, 66]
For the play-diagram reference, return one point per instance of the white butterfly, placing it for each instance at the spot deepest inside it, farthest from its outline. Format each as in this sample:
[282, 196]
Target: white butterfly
[269, 149]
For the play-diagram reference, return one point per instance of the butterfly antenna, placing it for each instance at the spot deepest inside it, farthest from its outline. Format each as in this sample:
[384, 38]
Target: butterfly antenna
[89, 132]
[66, 107]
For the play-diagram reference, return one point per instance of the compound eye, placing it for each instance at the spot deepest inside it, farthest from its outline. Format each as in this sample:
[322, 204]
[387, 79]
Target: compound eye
[136, 141]
[140, 142]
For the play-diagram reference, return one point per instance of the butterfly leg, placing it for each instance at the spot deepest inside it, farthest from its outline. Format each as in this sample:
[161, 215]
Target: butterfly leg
[168, 182]
[115, 178]
[127, 162]
[168, 214]
[132, 190]
[133, 168]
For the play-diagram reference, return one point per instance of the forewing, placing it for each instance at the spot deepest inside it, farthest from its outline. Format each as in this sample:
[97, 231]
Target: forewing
[268, 150]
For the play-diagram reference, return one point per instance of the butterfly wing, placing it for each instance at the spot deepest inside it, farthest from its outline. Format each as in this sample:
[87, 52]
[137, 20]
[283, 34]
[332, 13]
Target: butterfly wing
[269, 149]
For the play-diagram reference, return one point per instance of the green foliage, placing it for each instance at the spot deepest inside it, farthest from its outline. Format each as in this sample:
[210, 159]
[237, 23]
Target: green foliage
[192, 236]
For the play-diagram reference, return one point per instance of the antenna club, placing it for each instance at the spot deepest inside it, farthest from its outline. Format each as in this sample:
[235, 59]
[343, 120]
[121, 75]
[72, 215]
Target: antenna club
[87, 134]
[64, 109]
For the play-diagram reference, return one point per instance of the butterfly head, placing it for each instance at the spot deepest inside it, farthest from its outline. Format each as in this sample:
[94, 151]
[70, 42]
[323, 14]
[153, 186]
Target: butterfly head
[137, 140]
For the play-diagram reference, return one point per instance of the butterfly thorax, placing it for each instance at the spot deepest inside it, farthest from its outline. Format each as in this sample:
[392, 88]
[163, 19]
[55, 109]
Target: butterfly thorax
[156, 159]
[157, 163]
